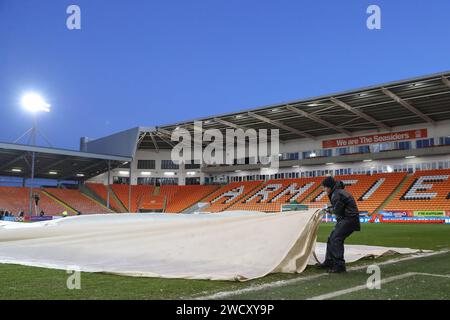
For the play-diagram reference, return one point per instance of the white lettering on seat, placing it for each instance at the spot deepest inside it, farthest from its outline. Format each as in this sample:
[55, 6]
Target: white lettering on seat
[264, 193]
[230, 195]
[292, 190]
[422, 185]
[374, 188]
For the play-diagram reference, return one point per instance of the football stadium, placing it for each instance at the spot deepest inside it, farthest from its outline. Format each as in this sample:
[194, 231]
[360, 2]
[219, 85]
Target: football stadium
[234, 205]
[399, 176]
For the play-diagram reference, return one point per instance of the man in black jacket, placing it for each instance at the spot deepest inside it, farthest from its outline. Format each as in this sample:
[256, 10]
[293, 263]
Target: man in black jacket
[347, 215]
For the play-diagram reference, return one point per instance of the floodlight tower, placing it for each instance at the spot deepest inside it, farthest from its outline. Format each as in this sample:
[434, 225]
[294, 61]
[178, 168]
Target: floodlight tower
[33, 103]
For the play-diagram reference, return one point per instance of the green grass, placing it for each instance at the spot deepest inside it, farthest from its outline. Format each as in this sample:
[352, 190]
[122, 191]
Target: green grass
[414, 288]
[426, 236]
[334, 282]
[20, 282]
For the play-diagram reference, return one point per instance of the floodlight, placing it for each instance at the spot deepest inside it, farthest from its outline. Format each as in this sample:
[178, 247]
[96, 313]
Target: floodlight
[33, 102]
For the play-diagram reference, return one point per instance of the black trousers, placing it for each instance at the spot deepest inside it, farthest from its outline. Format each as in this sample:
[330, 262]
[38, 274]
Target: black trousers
[335, 245]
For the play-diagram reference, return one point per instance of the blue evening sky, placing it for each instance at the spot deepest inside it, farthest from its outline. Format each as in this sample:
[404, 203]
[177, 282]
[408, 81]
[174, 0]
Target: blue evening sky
[144, 62]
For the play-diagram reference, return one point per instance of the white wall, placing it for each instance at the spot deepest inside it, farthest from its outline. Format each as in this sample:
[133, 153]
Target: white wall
[181, 173]
[367, 166]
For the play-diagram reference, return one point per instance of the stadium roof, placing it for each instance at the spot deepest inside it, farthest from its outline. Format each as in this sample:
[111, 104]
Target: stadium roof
[51, 163]
[420, 100]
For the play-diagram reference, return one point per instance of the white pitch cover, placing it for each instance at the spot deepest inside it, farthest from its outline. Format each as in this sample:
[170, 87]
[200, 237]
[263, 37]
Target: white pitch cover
[235, 245]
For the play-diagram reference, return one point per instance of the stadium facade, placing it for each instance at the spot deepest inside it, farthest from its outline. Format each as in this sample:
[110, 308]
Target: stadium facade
[401, 126]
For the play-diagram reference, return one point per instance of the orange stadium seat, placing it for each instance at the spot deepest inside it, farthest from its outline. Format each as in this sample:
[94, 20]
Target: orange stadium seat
[271, 195]
[100, 190]
[157, 202]
[168, 191]
[424, 190]
[175, 199]
[151, 202]
[187, 196]
[16, 199]
[137, 192]
[77, 200]
[229, 194]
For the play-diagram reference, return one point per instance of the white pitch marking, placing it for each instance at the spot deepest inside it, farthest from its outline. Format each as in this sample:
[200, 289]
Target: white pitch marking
[364, 286]
[281, 283]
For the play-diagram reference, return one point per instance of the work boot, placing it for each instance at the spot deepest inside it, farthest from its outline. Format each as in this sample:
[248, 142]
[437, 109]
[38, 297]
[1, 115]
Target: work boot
[323, 265]
[337, 269]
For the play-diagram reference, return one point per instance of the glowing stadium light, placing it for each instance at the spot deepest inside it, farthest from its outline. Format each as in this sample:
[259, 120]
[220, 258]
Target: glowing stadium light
[80, 175]
[33, 102]
[312, 155]
[53, 173]
[191, 173]
[123, 172]
[146, 173]
[410, 157]
[168, 173]
[329, 163]
[16, 170]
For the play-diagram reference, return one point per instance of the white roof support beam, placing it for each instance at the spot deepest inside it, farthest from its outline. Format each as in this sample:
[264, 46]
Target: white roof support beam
[163, 131]
[229, 124]
[446, 81]
[194, 127]
[141, 138]
[97, 164]
[53, 165]
[407, 105]
[360, 114]
[155, 144]
[169, 135]
[160, 133]
[318, 120]
[10, 163]
[281, 125]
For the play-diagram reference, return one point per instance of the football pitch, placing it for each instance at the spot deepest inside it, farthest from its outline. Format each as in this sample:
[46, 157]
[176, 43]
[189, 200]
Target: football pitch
[418, 276]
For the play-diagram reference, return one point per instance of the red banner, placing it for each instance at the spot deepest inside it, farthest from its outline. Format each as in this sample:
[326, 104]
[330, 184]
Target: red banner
[375, 138]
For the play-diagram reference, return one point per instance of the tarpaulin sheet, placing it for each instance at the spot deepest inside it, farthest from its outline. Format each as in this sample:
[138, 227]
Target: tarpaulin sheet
[237, 245]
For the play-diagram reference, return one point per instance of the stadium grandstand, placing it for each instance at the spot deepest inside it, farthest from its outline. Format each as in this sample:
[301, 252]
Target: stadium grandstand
[389, 144]
[54, 176]
[378, 140]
